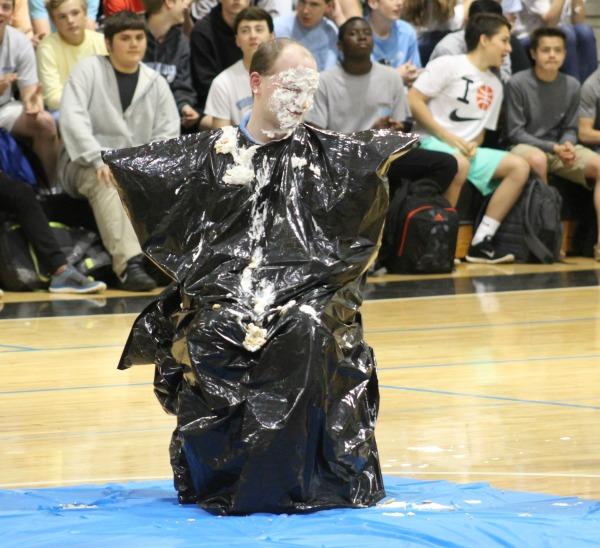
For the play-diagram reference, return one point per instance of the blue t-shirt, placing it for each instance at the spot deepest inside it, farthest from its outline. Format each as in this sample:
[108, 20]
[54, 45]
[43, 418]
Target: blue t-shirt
[399, 47]
[244, 128]
[321, 40]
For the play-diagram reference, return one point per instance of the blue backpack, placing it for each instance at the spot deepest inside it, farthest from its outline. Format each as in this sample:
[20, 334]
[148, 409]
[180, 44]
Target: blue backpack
[12, 160]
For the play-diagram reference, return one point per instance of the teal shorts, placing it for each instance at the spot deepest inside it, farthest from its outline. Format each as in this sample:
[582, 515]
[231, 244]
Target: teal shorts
[482, 168]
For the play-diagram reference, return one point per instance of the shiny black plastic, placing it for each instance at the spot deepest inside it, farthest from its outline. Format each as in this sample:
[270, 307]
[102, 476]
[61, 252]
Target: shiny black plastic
[288, 426]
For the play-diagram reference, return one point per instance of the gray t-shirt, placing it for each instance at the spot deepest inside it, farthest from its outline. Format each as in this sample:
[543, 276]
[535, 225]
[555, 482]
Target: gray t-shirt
[347, 103]
[589, 105]
[16, 55]
[540, 113]
[454, 44]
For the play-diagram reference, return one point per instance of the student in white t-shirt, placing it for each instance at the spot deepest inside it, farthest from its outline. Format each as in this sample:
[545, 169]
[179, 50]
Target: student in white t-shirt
[454, 101]
[230, 97]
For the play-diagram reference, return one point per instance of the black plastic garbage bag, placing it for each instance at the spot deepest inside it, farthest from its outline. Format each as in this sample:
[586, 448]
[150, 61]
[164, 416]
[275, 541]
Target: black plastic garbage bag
[258, 345]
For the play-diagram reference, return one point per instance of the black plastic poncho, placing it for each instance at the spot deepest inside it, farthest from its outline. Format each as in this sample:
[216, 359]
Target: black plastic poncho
[258, 345]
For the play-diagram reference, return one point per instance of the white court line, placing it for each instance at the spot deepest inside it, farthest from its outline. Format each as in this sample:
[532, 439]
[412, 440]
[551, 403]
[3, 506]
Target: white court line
[476, 294]
[504, 474]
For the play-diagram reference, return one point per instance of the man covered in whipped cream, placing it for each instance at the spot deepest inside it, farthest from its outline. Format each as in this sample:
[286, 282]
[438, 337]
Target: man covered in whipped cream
[267, 231]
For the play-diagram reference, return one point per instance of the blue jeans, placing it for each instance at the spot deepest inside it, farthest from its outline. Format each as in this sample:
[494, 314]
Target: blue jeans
[582, 58]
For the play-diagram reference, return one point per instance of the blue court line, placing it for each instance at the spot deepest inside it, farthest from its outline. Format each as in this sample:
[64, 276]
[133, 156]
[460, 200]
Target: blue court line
[61, 348]
[479, 325]
[486, 397]
[15, 348]
[490, 362]
[72, 388]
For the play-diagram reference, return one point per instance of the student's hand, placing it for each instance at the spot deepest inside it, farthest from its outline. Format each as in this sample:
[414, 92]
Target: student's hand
[6, 80]
[409, 73]
[104, 176]
[466, 148]
[189, 116]
[566, 153]
[34, 103]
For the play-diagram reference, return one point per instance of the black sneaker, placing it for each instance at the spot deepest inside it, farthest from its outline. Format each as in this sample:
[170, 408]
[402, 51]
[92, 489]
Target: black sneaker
[484, 252]
[135, 278]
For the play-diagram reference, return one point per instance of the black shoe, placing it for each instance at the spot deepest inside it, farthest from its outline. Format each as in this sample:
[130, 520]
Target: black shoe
[135, 278]
[484, 252]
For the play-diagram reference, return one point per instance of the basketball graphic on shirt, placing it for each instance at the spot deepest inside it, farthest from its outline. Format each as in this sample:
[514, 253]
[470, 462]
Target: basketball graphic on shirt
[484, 97]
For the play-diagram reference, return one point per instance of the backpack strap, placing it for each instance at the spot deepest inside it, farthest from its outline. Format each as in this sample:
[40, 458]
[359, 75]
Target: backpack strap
[535, 245]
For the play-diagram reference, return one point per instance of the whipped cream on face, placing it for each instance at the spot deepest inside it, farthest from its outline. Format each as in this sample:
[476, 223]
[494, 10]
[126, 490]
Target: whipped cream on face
[292, 97]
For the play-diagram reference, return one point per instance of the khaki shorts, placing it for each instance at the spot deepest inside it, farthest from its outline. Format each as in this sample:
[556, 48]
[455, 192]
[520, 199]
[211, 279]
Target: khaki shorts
[573, 173]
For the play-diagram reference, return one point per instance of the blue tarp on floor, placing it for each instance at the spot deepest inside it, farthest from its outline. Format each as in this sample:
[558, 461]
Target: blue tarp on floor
[415, 513]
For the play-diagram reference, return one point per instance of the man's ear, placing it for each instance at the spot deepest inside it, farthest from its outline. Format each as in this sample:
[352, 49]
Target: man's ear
[255, 80]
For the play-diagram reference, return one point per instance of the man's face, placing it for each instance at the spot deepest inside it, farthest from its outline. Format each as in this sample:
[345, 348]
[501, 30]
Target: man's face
[178, 9]
[6, 12]
[310, 12]
[287, 94]
[127, 48]
[70, 19]
[251, 34]
[232, 7]
[390, 9]
[550, 53]
[497, 46]
[357, 41]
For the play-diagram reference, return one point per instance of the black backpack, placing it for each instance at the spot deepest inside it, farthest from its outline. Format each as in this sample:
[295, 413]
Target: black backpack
[532, 230]
[421, 230]
[21, 270]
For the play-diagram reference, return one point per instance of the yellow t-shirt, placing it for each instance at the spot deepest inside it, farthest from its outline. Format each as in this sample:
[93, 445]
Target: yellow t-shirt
[56, 58]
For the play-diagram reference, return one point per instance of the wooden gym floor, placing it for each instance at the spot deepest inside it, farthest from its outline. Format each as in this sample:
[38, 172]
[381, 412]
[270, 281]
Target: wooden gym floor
[489, 374]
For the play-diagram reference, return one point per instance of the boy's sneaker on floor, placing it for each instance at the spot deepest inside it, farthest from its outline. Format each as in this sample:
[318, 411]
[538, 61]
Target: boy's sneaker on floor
[484, 252]
[71, 280]
[135, 277]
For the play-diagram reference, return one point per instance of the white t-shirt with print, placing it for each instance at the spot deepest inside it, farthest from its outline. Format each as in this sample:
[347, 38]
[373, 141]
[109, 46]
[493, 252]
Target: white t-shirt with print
[230, 96]
[464, 99]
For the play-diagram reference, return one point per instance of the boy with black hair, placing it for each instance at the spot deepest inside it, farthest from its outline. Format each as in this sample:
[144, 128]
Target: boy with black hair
[454, 101]
[541, 109]
[114, 102]
[168, 52]
[230, 97]
[358, 94]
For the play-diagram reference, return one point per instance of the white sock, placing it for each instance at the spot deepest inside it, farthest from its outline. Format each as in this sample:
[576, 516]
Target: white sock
[487, 227]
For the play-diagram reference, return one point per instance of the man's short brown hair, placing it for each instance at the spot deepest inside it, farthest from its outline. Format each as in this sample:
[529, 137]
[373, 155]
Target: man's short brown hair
[52, 5]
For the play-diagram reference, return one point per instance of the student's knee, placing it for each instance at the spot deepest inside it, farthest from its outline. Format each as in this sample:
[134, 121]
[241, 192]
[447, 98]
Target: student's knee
[462, 169]
[538, 162]
[45, 124]
[518, 168]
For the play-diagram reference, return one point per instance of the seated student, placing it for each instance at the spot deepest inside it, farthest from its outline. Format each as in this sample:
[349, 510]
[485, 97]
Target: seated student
[58, 53]
[168, 53]
[230, 97]
[541, 110]
[395, 40]
[582, 57]
[41, 16]
[358, 94]
[26, 117]
[454, 43]
[213, 48]
[114, 102]
[312, 29]
[589, 112]
[454, 101]
[18, 199]
[432, 19]
[22, 21]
